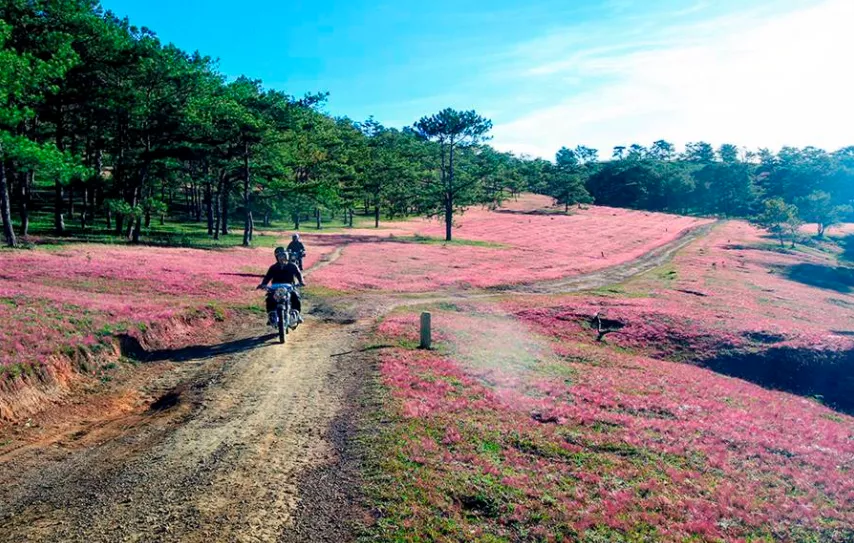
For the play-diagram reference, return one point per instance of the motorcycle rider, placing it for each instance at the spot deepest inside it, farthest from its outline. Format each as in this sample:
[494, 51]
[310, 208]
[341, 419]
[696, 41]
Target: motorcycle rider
[297, 247]
[283, 271]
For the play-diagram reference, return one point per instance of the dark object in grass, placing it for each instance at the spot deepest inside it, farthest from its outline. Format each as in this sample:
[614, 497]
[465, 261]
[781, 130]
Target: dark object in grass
[544, 419]
[692, 292]
[605, 326]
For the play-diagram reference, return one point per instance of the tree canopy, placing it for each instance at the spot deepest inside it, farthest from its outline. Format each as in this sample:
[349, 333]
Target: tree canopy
[103, 124]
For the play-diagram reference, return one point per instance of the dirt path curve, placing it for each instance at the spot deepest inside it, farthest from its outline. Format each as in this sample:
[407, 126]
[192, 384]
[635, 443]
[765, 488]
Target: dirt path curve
[382, 303]
[227, 472]
[620, 272]
[245, 448]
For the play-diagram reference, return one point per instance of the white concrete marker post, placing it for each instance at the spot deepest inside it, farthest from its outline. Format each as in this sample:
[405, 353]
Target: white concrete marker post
[425, 330]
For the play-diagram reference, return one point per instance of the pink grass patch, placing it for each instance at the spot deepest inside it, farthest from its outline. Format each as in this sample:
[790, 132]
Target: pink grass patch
[627, 443]
[60, 299]
[525, 247]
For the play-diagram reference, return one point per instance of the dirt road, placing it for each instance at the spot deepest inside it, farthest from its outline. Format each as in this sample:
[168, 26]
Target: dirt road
[223, 469]
[248, 443]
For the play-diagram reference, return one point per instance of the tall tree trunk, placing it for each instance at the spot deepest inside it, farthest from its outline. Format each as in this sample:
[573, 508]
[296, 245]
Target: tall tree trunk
[198, 203]
[209, 207]
[58, 218]
[71, 201]
[251, 226]
[449, 217]
[350, 211]
[224, 201]
[449, 196]
[247, 225]
[84, 212]
[217, 212]
[317, 216]
[136, 230]
[133, 202]
[137, 221]
[296, 221]
[377, 215]
[141, 195]
[5, 209]
[98, 197]
[267, 218]
[26, 190]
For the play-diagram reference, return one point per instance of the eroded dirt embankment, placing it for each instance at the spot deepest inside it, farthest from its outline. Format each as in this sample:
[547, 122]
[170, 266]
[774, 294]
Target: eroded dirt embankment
[32, 390]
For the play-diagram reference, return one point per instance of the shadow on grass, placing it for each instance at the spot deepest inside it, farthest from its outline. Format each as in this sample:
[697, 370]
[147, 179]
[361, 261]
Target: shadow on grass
[839, 279]
[823, 374]
[203, 352]
[366, 349]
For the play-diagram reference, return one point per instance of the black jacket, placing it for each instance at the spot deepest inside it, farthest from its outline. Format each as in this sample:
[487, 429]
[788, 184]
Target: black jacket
[288, 273]
[296, 247]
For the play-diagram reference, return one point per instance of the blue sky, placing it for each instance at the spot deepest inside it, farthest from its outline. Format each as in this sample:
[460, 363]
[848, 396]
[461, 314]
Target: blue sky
[548, 73]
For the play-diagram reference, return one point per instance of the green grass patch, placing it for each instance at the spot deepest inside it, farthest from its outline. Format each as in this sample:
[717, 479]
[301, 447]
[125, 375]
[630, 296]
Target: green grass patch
[666, 274]
[448, 306]
[321, 291]
[429, 240]
[14, 371]
[217, 311]
[254, 308]
[556, 369]
[611, 291]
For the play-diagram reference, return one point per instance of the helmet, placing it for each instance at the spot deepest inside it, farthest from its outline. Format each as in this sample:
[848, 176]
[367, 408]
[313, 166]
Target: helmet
[280, 251]
[295, 237]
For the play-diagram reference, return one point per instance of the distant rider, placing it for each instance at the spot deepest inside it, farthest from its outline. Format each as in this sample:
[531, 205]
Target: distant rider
[283, 271]
[297, 247]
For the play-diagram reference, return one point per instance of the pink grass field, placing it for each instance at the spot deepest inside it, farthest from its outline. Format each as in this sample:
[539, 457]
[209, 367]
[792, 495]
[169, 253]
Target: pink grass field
[717, 293]
[516, 244]
[730, 282]
[522, 426]
[55, 300]
[549, 438]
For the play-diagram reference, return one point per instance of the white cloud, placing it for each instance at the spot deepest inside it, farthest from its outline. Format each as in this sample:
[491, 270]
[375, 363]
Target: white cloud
[752, 79]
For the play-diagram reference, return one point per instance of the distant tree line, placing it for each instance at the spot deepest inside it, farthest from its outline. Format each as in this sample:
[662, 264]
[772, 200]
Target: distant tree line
[789, 187]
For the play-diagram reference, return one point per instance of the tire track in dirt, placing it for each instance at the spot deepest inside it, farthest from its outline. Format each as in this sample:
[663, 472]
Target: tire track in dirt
[327, 260]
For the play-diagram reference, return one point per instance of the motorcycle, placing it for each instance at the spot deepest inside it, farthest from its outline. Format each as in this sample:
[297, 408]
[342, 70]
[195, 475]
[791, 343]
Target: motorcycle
[285, 318]
[297, 256]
